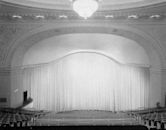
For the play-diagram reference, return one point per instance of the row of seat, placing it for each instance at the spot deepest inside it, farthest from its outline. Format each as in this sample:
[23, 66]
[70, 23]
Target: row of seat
[17, 118]
[155, 119]
[7, 119]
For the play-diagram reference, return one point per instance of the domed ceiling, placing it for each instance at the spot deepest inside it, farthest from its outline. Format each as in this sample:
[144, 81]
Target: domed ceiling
[104, 4]
[68, 1]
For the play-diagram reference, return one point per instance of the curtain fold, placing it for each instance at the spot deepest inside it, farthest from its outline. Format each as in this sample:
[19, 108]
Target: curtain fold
[85, 82]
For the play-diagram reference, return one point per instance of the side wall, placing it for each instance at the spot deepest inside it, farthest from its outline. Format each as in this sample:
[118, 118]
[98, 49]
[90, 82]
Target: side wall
[4, 88]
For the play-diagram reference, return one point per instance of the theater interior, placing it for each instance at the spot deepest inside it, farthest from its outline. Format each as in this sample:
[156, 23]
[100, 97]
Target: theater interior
[83, 63]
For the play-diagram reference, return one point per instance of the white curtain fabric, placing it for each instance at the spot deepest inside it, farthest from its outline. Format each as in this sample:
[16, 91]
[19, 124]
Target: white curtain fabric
[85, 81]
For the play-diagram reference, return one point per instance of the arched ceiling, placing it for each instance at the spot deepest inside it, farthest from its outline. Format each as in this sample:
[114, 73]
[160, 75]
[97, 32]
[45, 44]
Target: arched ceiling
[21, 12]
[103, 4]
[123, 50]
[113, 2]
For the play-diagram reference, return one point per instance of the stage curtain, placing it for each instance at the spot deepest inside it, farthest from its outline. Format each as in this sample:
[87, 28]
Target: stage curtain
[85, 81]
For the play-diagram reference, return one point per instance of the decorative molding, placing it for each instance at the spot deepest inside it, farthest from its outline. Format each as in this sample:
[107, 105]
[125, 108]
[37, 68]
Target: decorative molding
[158, 70]
[66, 4]
[78, 27]
[42, 17]
[15, 21]
[19, 13]
[8, 34]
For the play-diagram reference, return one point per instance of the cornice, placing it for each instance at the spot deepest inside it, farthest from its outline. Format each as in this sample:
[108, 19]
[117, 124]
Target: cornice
[13, 12]
[158, 70]
[141, 4]
[66, 5]
[8, 69]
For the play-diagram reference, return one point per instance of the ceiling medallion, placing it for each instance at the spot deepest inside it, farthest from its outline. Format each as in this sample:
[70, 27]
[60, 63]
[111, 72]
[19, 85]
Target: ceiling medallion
[85, 8]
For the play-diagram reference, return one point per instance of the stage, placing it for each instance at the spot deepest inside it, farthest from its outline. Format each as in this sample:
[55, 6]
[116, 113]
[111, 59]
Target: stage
[87, 118]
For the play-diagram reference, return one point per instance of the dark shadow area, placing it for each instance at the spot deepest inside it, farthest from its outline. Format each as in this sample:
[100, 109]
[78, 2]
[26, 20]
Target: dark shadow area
[81, 128]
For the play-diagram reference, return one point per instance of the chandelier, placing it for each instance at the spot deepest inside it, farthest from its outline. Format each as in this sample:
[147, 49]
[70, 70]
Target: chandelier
[85, 8]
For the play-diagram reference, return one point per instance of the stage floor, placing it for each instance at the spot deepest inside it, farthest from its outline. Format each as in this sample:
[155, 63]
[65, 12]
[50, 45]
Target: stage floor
[89, 118]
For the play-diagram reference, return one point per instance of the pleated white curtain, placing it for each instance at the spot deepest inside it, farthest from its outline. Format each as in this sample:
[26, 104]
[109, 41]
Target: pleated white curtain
[85, 81]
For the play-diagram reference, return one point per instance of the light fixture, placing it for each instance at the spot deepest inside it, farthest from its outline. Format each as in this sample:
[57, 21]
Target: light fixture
[109, 16]
[85, 8]
[62, 16]
[17, 16]
[133, 16]
[39, 16]
[155, 16]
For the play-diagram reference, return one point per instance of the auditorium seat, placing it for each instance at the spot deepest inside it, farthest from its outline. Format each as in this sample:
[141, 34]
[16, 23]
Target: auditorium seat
[23, 117]
[17, 117]
[12, 120]
[5, 121]
[158, 120]
[163, 120]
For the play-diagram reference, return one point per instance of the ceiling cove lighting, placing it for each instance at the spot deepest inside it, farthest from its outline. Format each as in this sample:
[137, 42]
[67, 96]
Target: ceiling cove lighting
[85, 8]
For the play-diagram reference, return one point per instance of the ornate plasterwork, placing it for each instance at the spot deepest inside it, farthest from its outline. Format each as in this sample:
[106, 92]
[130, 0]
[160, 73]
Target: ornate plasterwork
[59, 29]
[8, 34]
[11, 12]
[15, 21]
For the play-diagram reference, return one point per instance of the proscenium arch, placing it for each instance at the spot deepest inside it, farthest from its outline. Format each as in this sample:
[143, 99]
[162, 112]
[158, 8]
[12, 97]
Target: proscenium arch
[87, 52]
[122, 49]
[23, 44]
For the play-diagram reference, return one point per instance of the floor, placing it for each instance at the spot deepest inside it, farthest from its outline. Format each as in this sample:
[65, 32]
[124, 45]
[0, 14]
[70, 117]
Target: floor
[90, 118]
